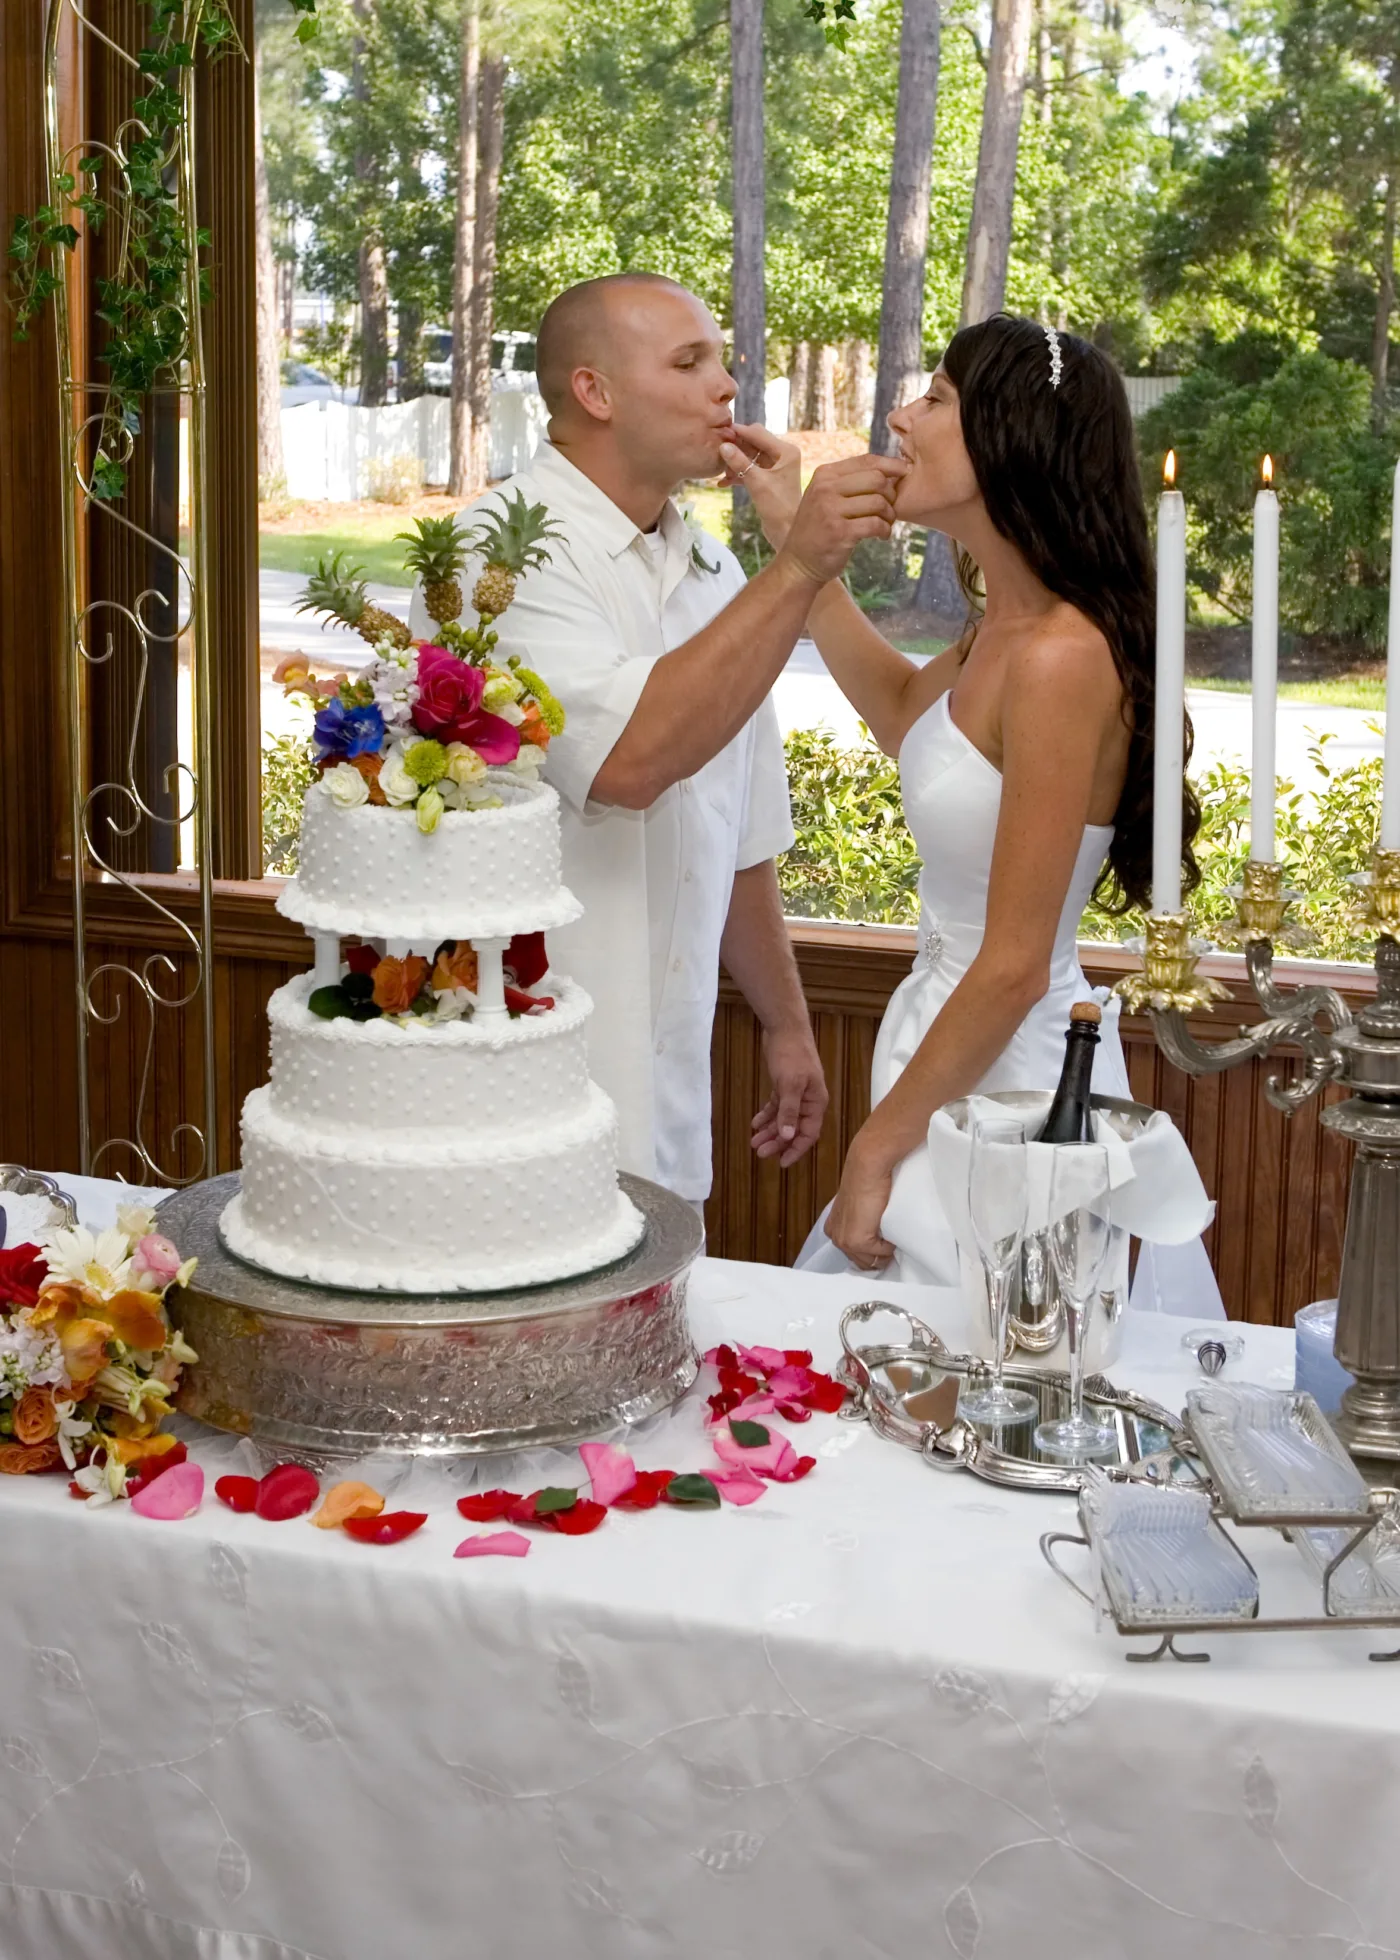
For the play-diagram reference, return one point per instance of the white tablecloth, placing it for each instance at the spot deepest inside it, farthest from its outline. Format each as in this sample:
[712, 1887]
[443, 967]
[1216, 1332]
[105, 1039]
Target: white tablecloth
[859, 1718]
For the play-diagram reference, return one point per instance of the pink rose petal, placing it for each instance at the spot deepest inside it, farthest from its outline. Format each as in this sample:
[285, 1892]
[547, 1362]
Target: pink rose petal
[177, 1493]
[763, 1359]
[738, 1485]
[493, 1544]
[611, 1472]
[771, 1459]
[789, 1383]
[752, 1409]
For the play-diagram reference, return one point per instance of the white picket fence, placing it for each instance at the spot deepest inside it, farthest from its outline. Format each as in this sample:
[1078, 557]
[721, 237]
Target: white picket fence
[329, 447]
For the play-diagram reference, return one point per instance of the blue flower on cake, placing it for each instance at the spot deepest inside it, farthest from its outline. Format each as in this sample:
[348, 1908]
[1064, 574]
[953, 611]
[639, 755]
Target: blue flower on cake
[345, 732]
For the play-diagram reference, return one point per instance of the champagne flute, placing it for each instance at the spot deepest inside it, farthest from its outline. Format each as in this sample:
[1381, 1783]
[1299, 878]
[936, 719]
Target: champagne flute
[1081, 1237]
[996, 1201]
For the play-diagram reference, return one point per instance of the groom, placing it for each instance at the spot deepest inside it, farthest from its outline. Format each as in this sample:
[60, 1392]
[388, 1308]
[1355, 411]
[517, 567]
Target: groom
[670, 771]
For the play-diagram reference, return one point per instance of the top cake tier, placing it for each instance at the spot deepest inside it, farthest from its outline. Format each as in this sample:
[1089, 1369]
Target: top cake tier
[482, 874]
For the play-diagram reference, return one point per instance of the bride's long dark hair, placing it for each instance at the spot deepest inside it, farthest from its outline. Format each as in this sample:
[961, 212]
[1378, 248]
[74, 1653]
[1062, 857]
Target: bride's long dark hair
[1058, 472]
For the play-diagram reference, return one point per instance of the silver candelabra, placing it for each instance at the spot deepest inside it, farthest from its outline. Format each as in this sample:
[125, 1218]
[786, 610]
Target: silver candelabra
[1360, 1053]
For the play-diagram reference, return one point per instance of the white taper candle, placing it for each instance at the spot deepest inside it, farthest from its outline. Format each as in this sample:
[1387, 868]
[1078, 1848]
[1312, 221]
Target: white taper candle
[1390, 795]
[1170, 736]
[1263, 673]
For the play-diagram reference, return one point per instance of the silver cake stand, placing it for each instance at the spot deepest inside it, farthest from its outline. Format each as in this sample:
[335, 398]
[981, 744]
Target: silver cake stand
[310, 1370]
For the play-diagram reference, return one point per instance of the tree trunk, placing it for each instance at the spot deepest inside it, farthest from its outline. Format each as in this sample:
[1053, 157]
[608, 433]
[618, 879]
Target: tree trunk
[490, 137]
[272, 468]
[989, 235]
[459, 481]
[823, 382]
[746, 112]
[853, 385]
[800, 385]
[374, 271]
[1385, 307]
[900, 363]
[409, 352]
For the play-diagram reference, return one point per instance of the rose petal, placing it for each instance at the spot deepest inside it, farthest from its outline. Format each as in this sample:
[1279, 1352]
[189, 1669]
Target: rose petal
[345, 1501]
[795, 1471]
[795, 1411]
[798, 1357]
[239, 1493]
[789, 1381]
[825, 1394]
[611, 1472]
[521, 1510]
[765, 1359]
[387, 1529]
[647, 1492]
[177, 1494]
[287, 1491]
[584, 1516]
[493, 1544]
[773, 1459]
[722, 1357]
[753, 1408]
[485, 1506]
[739, 1484]
[148, 1468]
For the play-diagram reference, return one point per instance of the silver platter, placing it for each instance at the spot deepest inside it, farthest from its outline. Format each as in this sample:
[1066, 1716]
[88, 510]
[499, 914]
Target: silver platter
[312, 1371]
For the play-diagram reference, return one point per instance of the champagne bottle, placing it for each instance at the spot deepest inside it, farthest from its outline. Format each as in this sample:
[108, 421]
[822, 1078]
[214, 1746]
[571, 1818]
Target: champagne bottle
[1070, 1118]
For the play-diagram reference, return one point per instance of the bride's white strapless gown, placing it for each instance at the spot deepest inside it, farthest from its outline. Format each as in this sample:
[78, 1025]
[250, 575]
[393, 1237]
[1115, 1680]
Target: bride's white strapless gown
[952, 799]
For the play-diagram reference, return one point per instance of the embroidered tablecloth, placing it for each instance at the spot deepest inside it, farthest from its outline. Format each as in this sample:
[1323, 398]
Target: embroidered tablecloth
[858, 1718]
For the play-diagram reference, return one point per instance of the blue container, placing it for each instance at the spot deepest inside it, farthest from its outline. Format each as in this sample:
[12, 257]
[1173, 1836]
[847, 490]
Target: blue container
[1315, 1367]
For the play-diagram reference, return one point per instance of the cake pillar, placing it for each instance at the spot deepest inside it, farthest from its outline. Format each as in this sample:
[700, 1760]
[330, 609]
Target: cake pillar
[326, 971]
[490, 979]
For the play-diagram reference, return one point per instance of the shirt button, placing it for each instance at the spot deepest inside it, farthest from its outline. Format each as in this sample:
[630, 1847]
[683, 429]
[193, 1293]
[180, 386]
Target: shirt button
[661, 1048]
[675, 966]
[690, 878]
[685, 787]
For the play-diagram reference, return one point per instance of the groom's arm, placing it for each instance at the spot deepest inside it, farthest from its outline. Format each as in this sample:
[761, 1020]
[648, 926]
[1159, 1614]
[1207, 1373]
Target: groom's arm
[757, 952]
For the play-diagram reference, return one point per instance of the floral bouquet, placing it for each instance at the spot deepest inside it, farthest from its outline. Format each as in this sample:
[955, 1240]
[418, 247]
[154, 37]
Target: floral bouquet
[378, 986]
[423, 724]
[89, 1360]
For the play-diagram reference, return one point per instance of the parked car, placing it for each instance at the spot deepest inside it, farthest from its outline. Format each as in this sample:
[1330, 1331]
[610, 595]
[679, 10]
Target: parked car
[303, 383]
[511, 353]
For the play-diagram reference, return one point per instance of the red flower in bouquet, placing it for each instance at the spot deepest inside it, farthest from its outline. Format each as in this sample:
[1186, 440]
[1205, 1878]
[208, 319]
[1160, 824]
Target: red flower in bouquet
[23, 1270]
[449, 707]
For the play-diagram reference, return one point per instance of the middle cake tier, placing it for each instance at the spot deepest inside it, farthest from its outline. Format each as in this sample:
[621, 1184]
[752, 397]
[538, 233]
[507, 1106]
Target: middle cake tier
[452, 1079]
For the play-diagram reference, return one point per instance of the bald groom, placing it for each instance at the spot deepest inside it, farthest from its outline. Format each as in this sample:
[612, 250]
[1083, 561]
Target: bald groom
[670, 771]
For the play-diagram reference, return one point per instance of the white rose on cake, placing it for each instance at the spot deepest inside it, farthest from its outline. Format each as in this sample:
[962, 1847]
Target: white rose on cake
[398, 786]
[345, 786]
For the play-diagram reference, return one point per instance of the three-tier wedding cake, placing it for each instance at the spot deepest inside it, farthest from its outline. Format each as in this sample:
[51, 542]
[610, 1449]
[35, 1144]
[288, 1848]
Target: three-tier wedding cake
[430, 1125]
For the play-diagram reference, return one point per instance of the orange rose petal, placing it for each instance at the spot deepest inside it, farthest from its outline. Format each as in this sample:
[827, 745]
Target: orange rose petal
[23, 1459]
[84, 1344]
[347, 1500]
[135, 1317]
[36, 1419]
[398, 983]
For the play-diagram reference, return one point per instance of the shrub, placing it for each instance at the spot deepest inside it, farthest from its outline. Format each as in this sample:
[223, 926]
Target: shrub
[394, 479]
[287, 774]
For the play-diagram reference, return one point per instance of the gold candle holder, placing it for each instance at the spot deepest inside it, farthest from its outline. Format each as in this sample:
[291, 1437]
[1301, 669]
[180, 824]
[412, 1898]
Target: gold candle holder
[1261, 909]
[1169, 978]
[1378, 893]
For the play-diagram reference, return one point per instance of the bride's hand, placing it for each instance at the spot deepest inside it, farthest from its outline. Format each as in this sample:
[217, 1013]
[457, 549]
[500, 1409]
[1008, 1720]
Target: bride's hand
[771, 471]
[853, 1223]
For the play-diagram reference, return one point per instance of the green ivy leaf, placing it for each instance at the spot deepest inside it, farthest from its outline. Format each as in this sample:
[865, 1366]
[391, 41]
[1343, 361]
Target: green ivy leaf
[749, 1435]
[108, 478]
[329, 1003]
[694, 1490]
[555, 1498]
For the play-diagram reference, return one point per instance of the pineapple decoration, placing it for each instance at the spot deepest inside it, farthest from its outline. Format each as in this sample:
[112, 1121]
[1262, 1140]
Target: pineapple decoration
[510, 540]
[337, 589]
[436, 553]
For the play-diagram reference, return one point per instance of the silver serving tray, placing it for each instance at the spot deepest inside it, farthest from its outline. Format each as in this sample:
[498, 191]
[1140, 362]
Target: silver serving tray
[908, 1393]
[34, 1184]
[1209, 1438]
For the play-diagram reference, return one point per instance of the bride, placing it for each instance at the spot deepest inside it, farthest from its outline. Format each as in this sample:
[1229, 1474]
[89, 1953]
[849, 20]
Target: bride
[1025, 749]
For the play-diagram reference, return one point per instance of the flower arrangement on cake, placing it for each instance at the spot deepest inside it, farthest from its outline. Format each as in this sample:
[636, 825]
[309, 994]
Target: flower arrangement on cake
[380, 986]
[425, 723]
[89, 1359]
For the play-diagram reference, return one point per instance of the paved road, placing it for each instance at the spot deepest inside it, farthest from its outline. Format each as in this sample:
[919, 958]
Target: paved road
[806, 696]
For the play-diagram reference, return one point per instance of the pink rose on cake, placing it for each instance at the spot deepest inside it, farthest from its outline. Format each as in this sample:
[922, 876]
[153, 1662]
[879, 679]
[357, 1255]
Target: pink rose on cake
[449, 707]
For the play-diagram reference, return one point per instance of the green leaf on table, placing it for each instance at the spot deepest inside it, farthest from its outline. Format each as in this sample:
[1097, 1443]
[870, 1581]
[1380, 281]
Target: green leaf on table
[749, 1435]
[555, 1498]
[693, 1489]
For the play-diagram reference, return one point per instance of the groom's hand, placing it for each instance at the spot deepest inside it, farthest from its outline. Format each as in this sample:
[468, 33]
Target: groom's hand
[844, 503]
[790, 1122]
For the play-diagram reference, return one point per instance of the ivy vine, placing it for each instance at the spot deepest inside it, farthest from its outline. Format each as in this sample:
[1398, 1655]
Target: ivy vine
[834, 17]
[143, 304]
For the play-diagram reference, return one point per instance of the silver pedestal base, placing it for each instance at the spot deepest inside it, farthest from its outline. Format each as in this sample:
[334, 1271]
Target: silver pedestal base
[310, 1371]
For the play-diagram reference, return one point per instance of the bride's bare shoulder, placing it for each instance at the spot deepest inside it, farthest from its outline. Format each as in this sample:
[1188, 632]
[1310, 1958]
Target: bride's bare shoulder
[1064, 651]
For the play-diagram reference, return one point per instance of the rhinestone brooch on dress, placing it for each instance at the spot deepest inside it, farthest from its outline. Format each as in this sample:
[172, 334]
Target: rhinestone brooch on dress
[932, 948]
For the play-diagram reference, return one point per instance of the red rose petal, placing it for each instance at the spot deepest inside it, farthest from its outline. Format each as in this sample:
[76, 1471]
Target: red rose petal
[825, 1394]
[796, 1472]
[647, 1492]
[149, 1468]
[722, 1357]
[526, 958]
[795, 1411]
[76, 1490]
[288, 1491]
[387, 1529]
[239, 1493]
[798, 1357]
[361, 959]
[580, 1517]
[486, 1506]
[521, 1510]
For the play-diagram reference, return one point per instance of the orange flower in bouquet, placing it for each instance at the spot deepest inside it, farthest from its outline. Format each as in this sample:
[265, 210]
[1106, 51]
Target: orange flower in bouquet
[398, 983]
[369, 767]
[534, 729]
[35, 1417]
[456, 966]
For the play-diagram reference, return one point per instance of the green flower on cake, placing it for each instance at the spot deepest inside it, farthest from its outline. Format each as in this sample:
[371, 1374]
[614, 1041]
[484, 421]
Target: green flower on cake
[551, 710]
[426, 763]
[501, 691]
[430, 808]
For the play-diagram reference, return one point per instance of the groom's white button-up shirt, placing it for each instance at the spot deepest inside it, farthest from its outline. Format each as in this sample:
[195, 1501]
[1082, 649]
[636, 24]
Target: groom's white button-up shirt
[655, 883]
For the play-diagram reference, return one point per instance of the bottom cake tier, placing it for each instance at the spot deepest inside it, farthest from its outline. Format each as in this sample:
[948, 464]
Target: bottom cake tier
[412, 1214]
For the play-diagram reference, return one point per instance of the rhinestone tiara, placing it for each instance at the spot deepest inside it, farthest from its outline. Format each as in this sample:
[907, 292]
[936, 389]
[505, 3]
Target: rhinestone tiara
[1056, 358]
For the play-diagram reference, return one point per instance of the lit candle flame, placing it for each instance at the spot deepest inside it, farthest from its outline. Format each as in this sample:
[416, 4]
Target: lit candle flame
[1267, 471]
[1169, 469]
